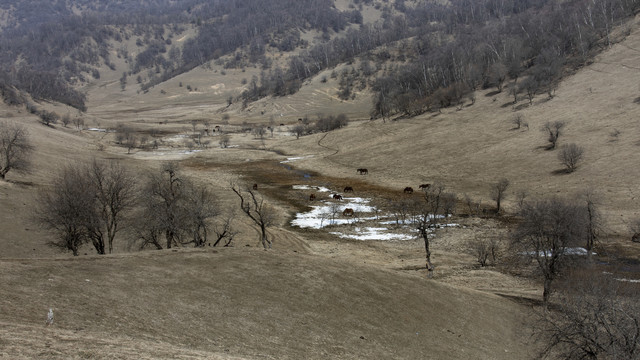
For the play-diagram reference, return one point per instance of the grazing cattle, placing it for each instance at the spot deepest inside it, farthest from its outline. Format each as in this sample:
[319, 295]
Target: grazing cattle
[347, 212]
[424, 186]
[408, 190]
[348, 189]
[255, 186]
[363, 171]
[337, 197]
[312, 197]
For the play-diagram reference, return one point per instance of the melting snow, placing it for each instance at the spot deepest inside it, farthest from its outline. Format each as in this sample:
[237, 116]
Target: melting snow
[328, 212]
[295, 158]
[373, 233]
[314, 188]
[578, 251]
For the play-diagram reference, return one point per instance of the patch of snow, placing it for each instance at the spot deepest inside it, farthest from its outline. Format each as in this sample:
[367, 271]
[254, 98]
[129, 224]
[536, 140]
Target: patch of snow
[291, 159]
[578, 251]
[628, 280]
[97, 129]
[373, 233]
[330, 213]
[312, 188]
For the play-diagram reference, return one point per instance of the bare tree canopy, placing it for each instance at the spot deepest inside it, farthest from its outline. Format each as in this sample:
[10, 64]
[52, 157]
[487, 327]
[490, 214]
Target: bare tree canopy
[425, 213]
[548, 230]
[598, 317]
[261, 214]
[64, 210]
[498, 192]
[87, 204]
[174, 208]
[15, 148]
[554, 129]
[570, 155]
[114, 187]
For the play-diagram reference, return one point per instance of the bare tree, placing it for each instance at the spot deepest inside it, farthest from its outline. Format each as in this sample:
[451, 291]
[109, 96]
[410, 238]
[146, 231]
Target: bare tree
[164, 191]
[224, 141]
[66, 119]
[497, 75]
[401, 210]
[15, 148]
[517, 120]
[224, 231]
[88, 204]
[78, 122]
[174, 208]
[200, 207]
[425, 217]
[299, 130]
[554, 129]
[570, 155]
[123, 81]
[486, 250]
[259, 132]
[260, 213]
[48, 117]
[126, 137]
[530, 86]
[498, 192]
[115, 193]
[65, 210]
[547, 230]
[598, 317]
[594, 221]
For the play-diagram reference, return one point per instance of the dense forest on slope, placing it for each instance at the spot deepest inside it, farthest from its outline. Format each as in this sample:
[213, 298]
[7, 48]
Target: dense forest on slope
[419, 56]
[48, 49]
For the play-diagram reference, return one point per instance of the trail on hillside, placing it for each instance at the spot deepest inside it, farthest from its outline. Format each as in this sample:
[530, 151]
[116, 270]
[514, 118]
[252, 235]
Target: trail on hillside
[336, 151]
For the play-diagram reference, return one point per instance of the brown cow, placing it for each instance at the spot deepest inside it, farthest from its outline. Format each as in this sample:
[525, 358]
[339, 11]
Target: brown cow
[255, 186]
[347, 212]
[424, 186]
[312, 197]
[408, 190]
[337, 197]
[363, 171]
[348, 189]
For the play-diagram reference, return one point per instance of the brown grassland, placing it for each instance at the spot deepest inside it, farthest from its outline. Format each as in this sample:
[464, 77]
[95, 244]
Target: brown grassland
[313, 295]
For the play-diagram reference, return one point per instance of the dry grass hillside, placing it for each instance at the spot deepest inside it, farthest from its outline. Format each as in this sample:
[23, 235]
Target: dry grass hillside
[249, 304]
[469, 149]
[314, 295]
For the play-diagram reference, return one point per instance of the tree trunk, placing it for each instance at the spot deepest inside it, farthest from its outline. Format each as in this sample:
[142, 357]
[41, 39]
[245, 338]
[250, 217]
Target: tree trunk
[169, 236]
[265, 237]
[546, 292]
[425, 237]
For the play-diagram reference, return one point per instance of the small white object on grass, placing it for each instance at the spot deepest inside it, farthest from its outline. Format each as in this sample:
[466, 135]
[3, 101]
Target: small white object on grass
[50, 317]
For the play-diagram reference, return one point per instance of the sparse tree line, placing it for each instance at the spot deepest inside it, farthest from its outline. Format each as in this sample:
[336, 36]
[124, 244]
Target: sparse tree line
[102, 203]
[322, 124]
[586, 313]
